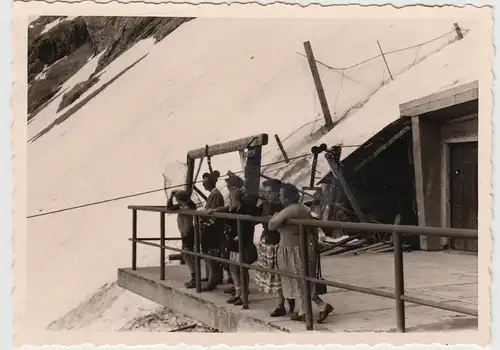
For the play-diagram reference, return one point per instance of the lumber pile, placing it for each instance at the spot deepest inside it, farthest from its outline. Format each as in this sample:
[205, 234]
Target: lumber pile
[354, 244]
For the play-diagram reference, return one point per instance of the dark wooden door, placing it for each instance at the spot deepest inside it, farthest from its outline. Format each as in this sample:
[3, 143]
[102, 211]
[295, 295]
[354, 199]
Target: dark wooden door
[463, 180]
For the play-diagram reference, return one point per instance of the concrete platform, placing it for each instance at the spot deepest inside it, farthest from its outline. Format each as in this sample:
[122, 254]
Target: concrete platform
[437, 276]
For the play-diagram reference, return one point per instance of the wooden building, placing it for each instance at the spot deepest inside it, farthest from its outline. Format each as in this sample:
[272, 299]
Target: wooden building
[423, 166]
[445, 151]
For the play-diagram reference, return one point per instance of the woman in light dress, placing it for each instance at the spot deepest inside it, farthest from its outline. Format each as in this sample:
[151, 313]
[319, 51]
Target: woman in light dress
[288, 252]
[267, 282]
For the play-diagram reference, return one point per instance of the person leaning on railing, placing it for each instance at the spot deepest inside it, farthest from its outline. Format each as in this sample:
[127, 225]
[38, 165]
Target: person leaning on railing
[239, 206]
[186, 228]
[288, 252]
[233, 182]
[212, 231]
[270, 283]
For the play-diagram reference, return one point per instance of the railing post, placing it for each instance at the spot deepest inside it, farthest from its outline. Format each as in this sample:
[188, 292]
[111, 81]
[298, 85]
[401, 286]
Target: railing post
[243, 270]
[197, 262]
[134, 237]
[162, 243]
[304, 257]
[399, 288]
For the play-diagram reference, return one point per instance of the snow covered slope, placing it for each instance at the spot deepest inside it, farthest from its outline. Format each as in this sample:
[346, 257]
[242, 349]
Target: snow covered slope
[210, 81]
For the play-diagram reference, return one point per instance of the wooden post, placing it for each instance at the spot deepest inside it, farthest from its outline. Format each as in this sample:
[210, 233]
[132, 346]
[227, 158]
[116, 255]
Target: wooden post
[418, 168]
[319, 86]
[198, 191]
[198, 170]
[189, 175]
[282, 149]
[337, 176]
[252, 172]
[458, 30]
[385, 61]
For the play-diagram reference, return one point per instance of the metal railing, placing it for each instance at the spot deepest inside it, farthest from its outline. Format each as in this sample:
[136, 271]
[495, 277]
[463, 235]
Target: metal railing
[362, 228]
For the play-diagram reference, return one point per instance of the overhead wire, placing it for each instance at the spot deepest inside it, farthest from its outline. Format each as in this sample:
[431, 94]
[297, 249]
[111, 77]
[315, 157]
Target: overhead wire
[344, 69]
[385, 53]
[137, 194]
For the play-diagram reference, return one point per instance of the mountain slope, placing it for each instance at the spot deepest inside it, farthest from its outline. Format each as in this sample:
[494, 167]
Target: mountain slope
[209, 81]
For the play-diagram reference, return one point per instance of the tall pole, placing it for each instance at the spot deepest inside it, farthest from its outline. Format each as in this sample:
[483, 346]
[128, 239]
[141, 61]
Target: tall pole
[319, 86]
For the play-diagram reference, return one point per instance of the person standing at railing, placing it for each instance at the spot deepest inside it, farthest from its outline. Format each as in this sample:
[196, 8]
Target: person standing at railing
[212, 230]
[233, 182]
[270, 283]
[239, 206]
[186, 228]
[288, 252]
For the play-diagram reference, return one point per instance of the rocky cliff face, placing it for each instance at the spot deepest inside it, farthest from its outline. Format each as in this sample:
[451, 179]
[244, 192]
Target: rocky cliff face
[59, 46]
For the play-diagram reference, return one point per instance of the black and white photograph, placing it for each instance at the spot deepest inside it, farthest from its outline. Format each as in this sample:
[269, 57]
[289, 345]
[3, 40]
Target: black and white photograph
[204, 174]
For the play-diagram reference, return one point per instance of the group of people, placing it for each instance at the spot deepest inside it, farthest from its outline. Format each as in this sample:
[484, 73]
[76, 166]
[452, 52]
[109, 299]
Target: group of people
[278, 247]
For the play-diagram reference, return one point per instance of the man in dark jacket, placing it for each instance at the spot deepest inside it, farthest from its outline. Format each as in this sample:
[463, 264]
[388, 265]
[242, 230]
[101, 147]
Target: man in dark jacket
[212, 230]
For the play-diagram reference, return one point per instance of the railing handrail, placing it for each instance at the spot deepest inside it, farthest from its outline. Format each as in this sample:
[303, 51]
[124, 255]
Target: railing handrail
[354, 226]
[368, 228]
[350, 287]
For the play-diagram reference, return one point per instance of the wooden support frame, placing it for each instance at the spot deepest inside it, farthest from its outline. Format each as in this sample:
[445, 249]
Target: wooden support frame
[231, 146]
[383, 147]
[250, 151]
[337, 176]
[189, 175]
[252, 173]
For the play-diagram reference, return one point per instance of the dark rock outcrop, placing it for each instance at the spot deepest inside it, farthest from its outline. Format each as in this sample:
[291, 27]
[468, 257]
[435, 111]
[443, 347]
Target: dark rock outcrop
[57, 54]
[76, 91]
[59, 42]
[117, 34]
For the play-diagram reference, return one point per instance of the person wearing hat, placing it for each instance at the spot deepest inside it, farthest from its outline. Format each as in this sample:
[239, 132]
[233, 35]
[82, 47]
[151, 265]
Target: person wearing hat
[233, 182]
[212, 230]
[186, 228]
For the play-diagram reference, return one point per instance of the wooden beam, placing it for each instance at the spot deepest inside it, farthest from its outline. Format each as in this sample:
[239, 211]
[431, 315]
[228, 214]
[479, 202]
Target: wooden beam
[189, 175]
[282, 149]
[252, 172]
[458, 30]
[383, 147]
[460, 94]
[419, 176]
[201, 194]
[198, 170]
[385, 61]
[231, 146]
[337, 174]
[319, 86]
